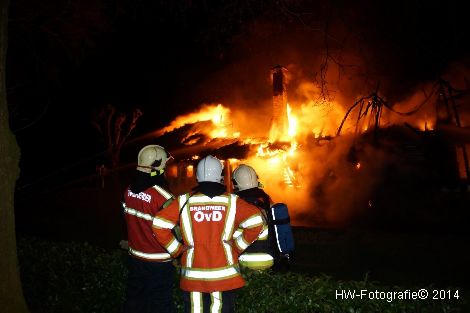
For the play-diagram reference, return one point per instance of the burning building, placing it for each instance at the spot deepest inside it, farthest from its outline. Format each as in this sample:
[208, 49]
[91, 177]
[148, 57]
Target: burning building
[323, 177]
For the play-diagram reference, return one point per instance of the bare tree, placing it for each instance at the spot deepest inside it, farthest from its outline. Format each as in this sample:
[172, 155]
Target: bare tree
[113, 129]
[11, 294]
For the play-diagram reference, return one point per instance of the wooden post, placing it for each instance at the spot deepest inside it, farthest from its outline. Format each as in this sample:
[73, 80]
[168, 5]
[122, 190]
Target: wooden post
[228, 175]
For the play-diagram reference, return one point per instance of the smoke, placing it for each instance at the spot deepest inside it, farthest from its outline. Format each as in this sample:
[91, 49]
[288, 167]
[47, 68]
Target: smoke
[320, 181]
[327, 180]
[252, 121]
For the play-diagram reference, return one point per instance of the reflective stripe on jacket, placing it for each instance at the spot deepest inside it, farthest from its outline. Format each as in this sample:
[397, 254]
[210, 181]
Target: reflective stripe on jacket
[139, 210]
[256, 256]
[210, 259]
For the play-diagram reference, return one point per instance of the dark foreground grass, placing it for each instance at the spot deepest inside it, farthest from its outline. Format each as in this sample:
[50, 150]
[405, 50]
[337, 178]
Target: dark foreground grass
[78, 277]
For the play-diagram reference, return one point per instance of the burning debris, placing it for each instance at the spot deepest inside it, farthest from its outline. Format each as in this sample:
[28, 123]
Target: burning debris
[303, 161]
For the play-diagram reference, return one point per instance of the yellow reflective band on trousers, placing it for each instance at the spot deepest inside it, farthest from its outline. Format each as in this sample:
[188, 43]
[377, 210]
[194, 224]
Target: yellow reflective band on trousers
[256, 261]
[216, 302]
[196, 302]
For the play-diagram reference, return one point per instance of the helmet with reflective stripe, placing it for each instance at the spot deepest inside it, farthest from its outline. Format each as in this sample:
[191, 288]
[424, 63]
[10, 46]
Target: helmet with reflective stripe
[209, 169]
[245, 177]
[152, 158]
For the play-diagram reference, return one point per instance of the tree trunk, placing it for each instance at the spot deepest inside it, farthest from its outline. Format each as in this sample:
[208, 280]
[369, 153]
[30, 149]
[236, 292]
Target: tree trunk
[11, 294]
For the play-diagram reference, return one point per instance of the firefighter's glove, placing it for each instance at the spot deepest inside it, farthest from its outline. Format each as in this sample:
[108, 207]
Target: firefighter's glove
[287, 258]
[290, 256]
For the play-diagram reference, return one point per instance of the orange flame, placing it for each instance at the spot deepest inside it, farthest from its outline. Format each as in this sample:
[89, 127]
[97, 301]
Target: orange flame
[277, 160]
[292, 119]
[278, 153]
[218, 115]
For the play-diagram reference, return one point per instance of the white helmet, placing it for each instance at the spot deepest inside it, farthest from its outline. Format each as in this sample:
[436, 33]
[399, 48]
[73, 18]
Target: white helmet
[152, 158]
[209, 169]
[244, 177]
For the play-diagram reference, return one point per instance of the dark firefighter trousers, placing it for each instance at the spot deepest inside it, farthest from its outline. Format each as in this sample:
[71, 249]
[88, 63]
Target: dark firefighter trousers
[149, 287]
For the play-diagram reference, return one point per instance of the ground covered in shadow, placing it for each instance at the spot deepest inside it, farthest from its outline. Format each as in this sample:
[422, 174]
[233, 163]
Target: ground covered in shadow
[79, 277]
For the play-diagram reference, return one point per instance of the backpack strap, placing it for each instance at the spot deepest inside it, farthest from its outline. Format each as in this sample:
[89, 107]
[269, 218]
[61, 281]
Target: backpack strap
[261, 202]
[281, 221]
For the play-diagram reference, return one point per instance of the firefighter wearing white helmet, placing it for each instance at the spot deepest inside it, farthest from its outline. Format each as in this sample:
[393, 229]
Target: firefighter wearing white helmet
[245, 177]
[207, 217]
[259, 255]
[150, 281]
[209, 169]
[275, 245]
[152, 159]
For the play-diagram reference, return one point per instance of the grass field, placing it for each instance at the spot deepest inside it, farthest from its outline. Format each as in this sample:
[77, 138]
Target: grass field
[400, 257]
[80, 277]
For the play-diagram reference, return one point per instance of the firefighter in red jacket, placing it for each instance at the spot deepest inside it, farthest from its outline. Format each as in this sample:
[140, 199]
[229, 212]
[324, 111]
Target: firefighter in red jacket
[207, 218]
[151, 275]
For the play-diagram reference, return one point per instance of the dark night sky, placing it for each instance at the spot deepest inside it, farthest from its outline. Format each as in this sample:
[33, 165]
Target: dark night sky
[68, 58]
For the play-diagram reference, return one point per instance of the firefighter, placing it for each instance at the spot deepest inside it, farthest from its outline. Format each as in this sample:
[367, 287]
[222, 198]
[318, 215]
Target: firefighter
[151, 274]
[259, 255]
[207, 218]
[275, 246]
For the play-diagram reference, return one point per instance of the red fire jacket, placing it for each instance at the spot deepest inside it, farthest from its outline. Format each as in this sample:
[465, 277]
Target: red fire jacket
[139, 210]
[209, 259]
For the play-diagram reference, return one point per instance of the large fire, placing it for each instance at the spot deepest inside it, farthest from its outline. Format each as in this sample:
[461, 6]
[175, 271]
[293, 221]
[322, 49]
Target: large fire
[276, 158]
[300, 161]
